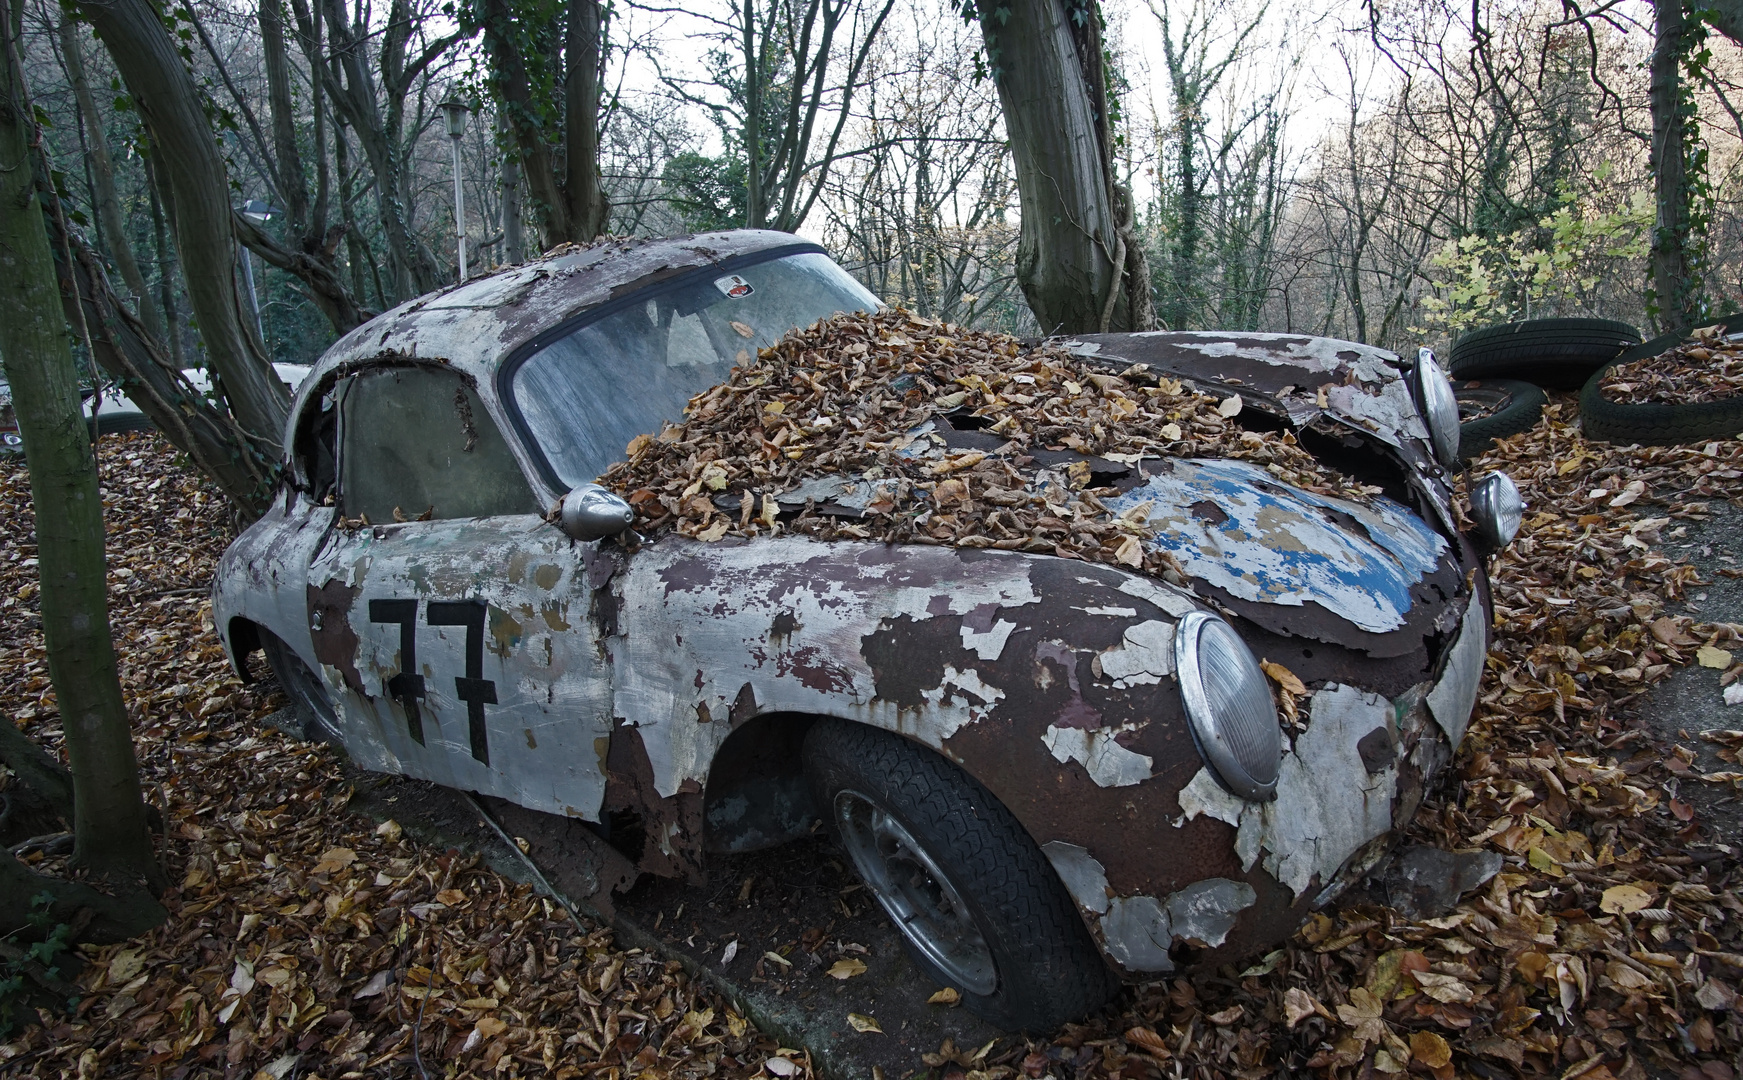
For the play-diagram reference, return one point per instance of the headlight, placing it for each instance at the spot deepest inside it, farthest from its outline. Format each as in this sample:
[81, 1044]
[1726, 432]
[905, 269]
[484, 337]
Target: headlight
[1228, 705]
[1440, 410]
[1497, 507]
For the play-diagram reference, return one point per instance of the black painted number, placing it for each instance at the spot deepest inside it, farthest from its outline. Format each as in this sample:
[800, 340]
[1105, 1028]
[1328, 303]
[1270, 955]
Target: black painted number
[407, 687]
[473, 688]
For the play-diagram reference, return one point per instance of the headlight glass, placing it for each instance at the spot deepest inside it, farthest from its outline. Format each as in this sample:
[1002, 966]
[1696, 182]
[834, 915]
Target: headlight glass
[1228, 705]
[1498, 508]
[1440, 410]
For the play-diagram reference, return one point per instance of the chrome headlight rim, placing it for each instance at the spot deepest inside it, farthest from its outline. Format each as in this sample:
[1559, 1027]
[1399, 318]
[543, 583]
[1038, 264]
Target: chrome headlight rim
[1201, 719]
[1433, 391]
[1497, 507]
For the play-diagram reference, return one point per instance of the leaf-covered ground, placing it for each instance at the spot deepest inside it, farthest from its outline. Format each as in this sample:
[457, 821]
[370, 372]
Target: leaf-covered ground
[305, 942]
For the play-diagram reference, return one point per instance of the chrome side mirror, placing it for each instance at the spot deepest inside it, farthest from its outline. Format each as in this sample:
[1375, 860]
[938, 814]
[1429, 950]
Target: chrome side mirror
[589, 512]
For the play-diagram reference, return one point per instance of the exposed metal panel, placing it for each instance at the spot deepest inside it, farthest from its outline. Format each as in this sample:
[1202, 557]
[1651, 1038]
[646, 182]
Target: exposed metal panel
[1234, 527]
[1453, 698]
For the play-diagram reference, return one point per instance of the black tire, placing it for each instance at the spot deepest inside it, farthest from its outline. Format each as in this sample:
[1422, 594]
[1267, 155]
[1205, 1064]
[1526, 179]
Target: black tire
[308, 696]
[1730, 320]
[1498, 408]
[1046, 969]
[1558, 353]
[1656, 424]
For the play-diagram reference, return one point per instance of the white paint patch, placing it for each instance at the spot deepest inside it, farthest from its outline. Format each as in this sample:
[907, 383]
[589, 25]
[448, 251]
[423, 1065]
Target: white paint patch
[1109, 764]
[1084, 877]
[1140, 929]
[1118, 612]
[1144, 657]
[1171, 599]
[1327, 804]
[694, 611]
[1136, 932]
[1453, 698]
[988, 644]
[1206, 911]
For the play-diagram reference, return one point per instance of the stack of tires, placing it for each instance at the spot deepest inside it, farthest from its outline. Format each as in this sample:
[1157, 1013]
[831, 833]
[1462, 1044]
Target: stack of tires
[1497, 371]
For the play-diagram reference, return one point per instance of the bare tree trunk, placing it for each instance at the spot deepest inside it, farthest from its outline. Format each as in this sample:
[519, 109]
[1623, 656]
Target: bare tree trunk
[1078, 258]
[111, 835]
[513, 224]
[103, 179]
[198, 192]
[586, 194]
[166, 266]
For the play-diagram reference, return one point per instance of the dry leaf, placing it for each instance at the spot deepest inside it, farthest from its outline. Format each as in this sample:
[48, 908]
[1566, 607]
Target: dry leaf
[1298, 1005]
[846, 968]
[1623, 899]
[1709, 657]
[947, 996]
[863, 1023]
[333, 860]
[1283, 677]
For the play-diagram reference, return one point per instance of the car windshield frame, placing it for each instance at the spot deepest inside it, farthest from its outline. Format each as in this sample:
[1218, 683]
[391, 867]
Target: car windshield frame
[510, 367]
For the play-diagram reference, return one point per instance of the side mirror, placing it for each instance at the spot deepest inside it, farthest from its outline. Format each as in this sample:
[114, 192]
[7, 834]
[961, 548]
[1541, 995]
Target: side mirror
[589, 512]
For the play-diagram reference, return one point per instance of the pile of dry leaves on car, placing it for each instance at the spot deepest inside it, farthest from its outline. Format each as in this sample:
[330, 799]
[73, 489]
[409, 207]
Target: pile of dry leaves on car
[918, 415]
[1709, 367]
[306, 941]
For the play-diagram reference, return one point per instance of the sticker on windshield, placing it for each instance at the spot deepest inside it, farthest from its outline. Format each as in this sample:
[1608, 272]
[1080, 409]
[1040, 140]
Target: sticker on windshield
[733, 286]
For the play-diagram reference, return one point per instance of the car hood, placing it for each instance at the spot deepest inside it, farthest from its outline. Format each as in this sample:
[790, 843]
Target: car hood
[1369, 575]
[1299, 376]
[1233, 527]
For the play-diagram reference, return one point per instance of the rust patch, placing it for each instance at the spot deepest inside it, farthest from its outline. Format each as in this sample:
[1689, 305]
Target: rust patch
[662, 836]
[335, 643]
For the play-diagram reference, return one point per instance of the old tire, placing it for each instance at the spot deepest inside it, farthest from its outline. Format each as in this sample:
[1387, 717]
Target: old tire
[978, 905]
[1497, 408]
[308, 695]
[1655, 424]
[1559, 353]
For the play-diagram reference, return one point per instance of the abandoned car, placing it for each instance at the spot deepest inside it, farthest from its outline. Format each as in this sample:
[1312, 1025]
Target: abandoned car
[1053, 774]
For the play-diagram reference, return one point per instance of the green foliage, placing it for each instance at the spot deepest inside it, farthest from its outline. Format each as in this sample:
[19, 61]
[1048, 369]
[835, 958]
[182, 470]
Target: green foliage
[707, 192]
[56, 938]
[1557, 268]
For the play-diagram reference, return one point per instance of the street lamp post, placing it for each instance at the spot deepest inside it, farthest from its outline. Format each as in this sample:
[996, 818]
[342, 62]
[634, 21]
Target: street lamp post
[455, 112]
[254, 210]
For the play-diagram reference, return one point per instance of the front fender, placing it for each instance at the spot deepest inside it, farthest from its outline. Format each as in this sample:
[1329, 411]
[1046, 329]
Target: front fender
[1049, 680]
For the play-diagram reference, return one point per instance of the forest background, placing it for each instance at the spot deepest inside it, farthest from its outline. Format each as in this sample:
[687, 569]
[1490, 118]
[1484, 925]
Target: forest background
[1391, 175]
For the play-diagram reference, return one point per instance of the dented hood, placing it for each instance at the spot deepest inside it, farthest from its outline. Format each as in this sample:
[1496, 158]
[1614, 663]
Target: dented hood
[1231, 526]
[1304, 377]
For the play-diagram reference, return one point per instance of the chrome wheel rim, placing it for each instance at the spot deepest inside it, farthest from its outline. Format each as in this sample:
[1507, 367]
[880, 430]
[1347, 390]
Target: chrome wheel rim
[915, 893]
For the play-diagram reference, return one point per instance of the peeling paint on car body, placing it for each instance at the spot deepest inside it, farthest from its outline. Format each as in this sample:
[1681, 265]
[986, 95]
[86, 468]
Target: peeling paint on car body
[624, 679]
[1277, 545]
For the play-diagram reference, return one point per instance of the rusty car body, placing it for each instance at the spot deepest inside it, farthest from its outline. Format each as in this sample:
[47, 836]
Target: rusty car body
[665, 688]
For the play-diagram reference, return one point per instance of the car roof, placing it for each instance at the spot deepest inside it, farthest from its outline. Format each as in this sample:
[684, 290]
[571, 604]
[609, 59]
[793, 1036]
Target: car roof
[477, 325]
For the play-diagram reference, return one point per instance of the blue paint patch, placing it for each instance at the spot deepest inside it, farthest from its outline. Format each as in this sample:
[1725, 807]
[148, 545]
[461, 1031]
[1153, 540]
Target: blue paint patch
[1275, 544]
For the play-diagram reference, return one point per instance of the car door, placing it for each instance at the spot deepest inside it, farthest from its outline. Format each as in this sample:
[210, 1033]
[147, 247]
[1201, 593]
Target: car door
[454, 618]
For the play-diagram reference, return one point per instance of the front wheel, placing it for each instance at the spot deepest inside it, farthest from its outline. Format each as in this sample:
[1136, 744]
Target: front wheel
[977, 903]
[308, 696]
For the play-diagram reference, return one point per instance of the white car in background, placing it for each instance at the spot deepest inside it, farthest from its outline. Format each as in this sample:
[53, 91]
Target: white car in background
[113, 412]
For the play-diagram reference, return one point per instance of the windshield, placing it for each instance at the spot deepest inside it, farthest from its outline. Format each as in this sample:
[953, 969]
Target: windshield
[584, 396]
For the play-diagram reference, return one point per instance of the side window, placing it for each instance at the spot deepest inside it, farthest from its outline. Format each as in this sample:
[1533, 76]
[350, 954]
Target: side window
[417, 440]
